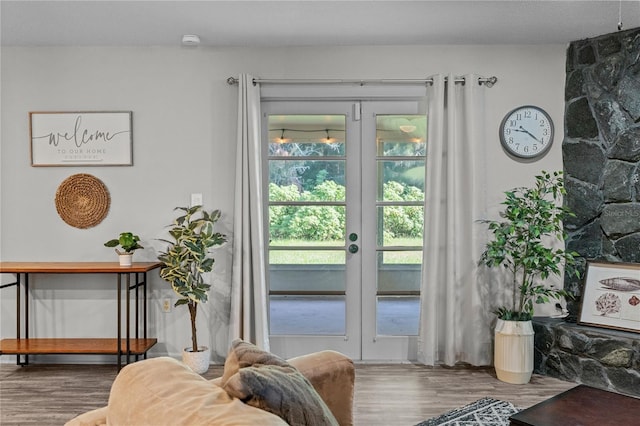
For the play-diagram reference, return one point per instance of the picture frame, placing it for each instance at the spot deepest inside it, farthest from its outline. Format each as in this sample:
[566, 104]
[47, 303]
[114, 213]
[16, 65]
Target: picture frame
[611, 296]
[81, 138]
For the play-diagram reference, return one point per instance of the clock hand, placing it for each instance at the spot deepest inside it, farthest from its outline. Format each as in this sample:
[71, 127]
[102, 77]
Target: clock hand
[523, 130]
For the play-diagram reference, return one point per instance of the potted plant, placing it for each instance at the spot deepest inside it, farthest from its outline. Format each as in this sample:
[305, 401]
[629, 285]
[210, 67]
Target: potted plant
[525, 244]
[129, 243]
[186, 261]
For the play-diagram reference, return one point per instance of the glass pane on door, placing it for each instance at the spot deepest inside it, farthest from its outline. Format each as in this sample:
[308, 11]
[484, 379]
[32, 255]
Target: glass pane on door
[400, 166]
[307, 224]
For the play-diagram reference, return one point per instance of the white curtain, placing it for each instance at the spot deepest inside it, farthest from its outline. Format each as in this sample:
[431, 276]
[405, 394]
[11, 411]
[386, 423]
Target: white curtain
[248, 319]
[454, 324]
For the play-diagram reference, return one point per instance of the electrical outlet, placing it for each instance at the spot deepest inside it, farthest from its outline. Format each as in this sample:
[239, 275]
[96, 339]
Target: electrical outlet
[166, 305]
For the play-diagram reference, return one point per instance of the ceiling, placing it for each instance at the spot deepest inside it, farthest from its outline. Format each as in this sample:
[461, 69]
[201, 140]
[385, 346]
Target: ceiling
[307, 23]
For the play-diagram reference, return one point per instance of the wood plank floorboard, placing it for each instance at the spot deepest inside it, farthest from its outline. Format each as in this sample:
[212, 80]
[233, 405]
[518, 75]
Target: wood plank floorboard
[385, 395]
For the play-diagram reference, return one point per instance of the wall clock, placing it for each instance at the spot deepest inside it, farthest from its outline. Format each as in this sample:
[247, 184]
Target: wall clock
[526, 132]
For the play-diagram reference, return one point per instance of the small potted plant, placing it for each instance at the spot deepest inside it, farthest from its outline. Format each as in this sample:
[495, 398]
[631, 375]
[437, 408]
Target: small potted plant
[524, 243]
[129, 243]
[186, 261]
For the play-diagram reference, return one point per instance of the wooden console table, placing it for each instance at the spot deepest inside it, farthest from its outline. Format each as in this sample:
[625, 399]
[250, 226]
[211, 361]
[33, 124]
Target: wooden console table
[138, 345]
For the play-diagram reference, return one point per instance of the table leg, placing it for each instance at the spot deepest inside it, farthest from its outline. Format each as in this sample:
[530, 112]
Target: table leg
[144, 309]
[18, 285]
[137, 320]
[18, 318]
[26, 314]
[128, 317]
[18, 313]
[119, 321]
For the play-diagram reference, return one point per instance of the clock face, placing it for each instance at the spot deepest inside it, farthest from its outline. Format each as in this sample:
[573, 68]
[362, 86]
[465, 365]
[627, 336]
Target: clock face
[526, 132]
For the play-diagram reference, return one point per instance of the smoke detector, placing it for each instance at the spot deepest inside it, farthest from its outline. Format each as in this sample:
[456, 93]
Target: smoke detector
[190, 40]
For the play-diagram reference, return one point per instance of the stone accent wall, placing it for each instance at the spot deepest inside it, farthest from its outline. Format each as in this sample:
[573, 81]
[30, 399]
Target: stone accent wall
[606, 359]
[601, 151]
[601, 155]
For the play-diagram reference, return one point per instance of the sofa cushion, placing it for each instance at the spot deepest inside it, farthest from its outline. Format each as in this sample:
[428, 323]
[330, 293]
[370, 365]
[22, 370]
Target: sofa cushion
[333, 376]
[244, 354]
[281, 390]
[163, 391]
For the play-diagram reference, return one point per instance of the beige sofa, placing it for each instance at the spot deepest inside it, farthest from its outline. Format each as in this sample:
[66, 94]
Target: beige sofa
[163, 391]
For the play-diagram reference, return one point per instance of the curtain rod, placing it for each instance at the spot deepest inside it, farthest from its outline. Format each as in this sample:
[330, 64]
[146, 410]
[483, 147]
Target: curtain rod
[487, 81]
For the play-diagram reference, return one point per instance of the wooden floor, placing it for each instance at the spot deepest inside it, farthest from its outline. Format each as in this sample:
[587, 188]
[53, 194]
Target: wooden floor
[386, 395]
[408, 394]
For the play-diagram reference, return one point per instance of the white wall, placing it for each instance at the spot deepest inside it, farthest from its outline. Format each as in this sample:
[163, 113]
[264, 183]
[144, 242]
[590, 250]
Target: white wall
[184, 124]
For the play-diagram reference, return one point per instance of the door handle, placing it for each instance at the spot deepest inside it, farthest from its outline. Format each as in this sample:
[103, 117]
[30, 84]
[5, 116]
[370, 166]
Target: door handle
[353, 248]
[353, 236]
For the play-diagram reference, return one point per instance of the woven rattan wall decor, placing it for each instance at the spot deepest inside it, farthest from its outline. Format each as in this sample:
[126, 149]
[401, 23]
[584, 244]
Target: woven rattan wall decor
[82, 200]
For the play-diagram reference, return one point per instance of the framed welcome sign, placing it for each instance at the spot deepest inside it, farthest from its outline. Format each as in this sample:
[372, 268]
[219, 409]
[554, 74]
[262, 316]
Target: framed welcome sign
[86, 138]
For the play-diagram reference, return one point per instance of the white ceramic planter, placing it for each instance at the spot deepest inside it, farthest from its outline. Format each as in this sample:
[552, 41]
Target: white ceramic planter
[197, 361]
[513, 351]
[125, 259]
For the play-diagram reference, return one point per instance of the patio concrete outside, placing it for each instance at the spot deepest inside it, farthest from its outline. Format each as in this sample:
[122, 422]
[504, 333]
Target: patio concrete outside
[325, 315]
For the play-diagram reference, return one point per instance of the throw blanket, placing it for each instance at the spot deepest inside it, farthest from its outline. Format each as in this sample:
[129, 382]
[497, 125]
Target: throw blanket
[275, 386]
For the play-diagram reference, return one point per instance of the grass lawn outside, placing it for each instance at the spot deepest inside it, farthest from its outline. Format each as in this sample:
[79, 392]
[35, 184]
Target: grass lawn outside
[282, 255]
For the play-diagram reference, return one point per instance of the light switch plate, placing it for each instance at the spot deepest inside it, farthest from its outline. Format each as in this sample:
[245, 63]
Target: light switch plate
[196, 200]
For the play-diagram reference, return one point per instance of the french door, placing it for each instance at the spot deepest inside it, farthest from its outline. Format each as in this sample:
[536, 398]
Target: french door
[345, 184]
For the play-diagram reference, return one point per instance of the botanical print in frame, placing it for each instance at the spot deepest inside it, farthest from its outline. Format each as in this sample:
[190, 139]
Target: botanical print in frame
[611, 296]
[85, 138]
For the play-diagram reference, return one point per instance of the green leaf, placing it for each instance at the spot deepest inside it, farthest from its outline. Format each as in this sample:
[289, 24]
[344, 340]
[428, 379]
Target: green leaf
[112, 243]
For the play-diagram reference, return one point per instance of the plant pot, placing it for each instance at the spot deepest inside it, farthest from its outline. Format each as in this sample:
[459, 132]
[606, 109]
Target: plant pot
[125, 259]
[197, 361]
[513, 351]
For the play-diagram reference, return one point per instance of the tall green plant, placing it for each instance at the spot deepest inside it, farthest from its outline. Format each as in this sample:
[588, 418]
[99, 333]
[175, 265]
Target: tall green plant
[523, 241]
[188, 258]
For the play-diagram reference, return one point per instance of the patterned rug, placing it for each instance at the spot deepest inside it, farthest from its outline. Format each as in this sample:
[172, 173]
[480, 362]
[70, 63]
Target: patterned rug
[483, 412]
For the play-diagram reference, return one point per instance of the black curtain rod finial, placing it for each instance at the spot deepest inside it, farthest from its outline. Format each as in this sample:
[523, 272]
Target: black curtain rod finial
[489, 81]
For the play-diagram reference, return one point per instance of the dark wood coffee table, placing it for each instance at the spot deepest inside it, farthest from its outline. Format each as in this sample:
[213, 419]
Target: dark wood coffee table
[582, 406]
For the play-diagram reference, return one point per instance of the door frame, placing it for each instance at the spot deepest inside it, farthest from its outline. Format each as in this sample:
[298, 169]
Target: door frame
[388, 348]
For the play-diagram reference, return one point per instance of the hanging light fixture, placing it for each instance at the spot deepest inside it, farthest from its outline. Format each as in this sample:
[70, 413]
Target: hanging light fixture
[282, 140]
[328, 140]
[191, 40]
[620, 26]
[407, 128]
